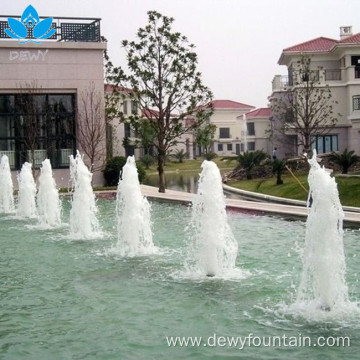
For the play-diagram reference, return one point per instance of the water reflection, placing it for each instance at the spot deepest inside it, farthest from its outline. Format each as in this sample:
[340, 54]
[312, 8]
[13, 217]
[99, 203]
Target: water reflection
[182, 181]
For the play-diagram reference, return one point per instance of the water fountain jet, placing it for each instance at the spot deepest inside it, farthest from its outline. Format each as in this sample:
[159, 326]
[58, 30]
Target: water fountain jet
[133, 215]
[83, 220]
[48, 202]
[323, 278]
[27, 192]
[6, 187]
[213, 249]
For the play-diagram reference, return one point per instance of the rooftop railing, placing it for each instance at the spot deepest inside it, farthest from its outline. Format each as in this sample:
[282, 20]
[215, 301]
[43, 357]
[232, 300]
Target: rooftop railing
[67, 29]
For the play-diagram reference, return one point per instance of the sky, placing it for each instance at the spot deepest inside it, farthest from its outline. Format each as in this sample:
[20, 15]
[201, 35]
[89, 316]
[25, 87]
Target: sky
[238, 42]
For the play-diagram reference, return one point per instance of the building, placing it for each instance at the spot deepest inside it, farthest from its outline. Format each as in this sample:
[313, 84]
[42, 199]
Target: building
[238, 128]
[258, 130]
[42, 91]
[121, 97]
[230, 134]
[336, 63]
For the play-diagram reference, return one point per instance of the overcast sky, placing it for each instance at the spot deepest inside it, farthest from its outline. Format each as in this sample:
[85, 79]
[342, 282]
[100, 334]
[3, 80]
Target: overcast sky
[238, 42]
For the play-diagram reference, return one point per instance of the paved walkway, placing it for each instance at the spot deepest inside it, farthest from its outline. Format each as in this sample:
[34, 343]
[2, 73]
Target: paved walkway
[288, 211]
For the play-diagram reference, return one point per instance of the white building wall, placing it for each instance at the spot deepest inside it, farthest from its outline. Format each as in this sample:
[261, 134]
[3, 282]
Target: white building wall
[55, 67]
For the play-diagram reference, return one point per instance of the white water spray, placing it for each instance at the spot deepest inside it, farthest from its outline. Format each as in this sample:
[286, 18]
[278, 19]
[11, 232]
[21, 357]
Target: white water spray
[133, 215]
[323, 284]
[48, 202]
[83, 221]
[213, 246]
[6, 187]
[27, 191]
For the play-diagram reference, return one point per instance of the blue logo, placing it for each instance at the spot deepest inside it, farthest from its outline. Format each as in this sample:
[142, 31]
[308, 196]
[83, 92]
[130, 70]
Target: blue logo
[30, 20]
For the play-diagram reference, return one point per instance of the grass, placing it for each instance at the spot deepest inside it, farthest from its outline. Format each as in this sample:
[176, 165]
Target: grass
[349, 188]
[192, 165]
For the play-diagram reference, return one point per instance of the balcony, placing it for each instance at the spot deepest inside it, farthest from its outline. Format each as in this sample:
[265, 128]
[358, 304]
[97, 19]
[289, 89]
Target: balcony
[332, 74]
[67, 29]
[280, 82]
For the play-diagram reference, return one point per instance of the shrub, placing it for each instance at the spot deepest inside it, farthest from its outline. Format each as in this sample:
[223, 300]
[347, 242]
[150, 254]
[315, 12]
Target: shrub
[147, 160]
[112, 170]
[113, 167]
[210, 156]
[248, 160]
[180, 155]
[141, 171]
[278, 167]
[344, 160]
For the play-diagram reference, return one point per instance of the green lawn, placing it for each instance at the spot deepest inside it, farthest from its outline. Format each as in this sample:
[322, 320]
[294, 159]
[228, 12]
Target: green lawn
[349, 188]
[192, 165]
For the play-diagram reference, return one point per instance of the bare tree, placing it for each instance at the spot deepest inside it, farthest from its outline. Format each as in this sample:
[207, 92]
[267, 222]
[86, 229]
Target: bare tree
[30, 124]
[91, 127]
[305, 109]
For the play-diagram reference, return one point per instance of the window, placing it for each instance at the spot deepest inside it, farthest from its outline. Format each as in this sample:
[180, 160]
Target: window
[134, 107]
[229, 147]
[357, 72]
[220, 147]
[251, 146]
[36, 126]
[356, 102]
[355, 61]
[224, 133]
[127, 130]
[312, 75]
[125, 107]
[289, 116]
[325, 144]
[250, 129]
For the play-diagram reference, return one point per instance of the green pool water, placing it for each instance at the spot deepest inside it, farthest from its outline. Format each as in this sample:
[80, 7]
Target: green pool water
[67, 299]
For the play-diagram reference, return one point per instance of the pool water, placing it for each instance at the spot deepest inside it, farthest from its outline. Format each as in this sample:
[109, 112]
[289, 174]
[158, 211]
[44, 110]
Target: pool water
[68, 299]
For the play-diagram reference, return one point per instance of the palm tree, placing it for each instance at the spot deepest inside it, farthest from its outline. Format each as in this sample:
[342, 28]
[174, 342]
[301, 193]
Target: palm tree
[278, 169]
[344, 160]
[180, 155]
[248, 160]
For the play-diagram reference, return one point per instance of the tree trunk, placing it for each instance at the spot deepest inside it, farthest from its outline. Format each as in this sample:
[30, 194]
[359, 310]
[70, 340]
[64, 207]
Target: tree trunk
[307, 145]
[279, 180]
[161, 163]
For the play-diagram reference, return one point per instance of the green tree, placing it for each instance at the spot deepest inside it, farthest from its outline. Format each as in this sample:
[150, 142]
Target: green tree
[344, 160]
[248, 160]
[164, 79]
[204, 137]
[305, 108]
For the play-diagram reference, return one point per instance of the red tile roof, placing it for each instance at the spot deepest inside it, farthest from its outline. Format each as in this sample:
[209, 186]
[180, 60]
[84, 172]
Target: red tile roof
[229, 104]
[322, 44]
[261, 112]
[110, 87]
[318, 44]
[150, 113]
[354, 39]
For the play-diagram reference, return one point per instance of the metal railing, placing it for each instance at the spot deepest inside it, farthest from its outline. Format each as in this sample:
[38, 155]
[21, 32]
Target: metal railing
[280, 82]
[67, 28]
[332, 74]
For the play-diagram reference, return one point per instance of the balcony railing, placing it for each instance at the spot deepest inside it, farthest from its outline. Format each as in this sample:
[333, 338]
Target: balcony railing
[332, 74]
[280, 82]
[67, 29]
